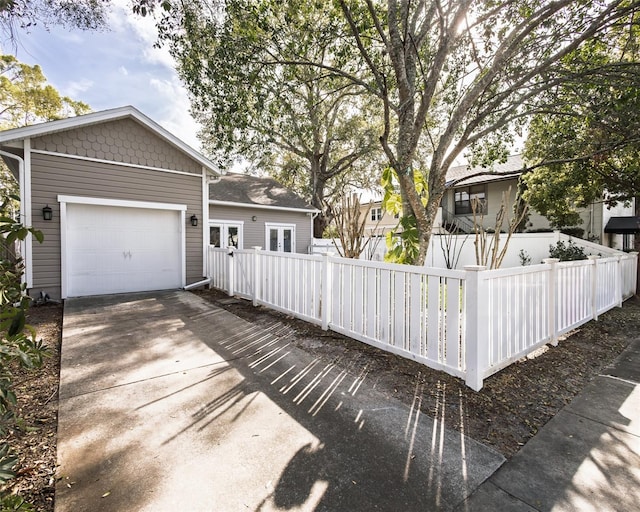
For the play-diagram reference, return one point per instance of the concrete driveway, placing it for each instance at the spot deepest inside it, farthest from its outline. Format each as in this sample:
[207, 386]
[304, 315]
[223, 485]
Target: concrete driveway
[168, 403]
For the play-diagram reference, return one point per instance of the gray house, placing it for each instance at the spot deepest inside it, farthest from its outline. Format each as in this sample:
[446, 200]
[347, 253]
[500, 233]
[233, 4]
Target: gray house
[122, 204]
[247, 211]
[611, 226]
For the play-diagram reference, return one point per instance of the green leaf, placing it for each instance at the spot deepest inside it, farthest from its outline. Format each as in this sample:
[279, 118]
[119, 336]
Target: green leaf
[17, 324]
[7, 463]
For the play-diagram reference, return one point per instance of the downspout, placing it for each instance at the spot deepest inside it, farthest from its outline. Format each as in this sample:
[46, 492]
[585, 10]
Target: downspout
[199, 284]
[26, 275]
[206, 198]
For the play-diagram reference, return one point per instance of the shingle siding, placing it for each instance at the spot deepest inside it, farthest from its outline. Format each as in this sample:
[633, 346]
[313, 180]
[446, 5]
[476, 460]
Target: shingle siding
[254, 231]
[123, 141]
[54, 175]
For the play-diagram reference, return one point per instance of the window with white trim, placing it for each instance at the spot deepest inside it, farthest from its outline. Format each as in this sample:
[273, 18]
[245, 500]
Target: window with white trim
[376, 214]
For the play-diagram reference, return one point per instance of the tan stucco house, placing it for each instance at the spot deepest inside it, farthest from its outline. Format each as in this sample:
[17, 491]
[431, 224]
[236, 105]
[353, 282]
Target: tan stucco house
[122, 204]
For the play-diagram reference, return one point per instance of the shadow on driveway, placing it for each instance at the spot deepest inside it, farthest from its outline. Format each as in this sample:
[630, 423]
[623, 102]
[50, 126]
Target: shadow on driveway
[170, 403]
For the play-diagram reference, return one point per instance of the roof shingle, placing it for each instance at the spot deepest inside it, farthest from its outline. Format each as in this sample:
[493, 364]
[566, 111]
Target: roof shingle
[510, 169]
[252, 190]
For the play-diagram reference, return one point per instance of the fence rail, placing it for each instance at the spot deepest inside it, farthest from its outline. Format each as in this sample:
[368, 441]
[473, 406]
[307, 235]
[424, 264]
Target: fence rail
[469, 323]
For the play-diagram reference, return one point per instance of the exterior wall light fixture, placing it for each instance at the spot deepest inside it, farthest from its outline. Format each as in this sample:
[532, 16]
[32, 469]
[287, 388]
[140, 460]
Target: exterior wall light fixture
[194, 220]
[47, 213]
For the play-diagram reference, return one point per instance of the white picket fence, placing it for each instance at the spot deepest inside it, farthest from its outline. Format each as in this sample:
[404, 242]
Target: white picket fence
[469, 323]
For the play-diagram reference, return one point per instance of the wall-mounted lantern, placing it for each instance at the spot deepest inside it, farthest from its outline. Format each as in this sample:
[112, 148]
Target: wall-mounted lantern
[194, 220]
[254, 218]
[47, 213]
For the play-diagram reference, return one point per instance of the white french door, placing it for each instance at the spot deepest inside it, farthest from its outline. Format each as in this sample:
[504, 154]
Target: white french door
[280, 237]
[225, 234]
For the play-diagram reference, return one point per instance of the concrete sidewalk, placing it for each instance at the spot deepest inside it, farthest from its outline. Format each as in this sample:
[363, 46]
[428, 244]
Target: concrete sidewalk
[168, 403]
[587, 458]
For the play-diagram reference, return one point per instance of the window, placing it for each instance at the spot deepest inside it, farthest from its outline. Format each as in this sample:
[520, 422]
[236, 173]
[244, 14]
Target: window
[465, 195]
[376, 214]
[280, 237]
[225, 234]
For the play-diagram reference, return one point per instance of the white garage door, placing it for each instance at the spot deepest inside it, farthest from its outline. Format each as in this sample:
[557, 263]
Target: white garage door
[112, 249]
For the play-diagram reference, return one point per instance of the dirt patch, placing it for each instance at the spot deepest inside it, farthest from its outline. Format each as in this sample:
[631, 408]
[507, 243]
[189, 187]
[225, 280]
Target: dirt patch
[513, 404]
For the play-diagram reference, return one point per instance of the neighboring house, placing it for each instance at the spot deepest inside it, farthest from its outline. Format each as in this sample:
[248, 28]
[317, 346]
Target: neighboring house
[466, 184]
[378, 222]
[613, 227]
[121, 203]
[247, 211]
[598, 221]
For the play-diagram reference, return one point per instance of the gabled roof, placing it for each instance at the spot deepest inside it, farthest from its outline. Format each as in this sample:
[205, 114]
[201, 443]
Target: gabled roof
[127, 112]
[512, 168]
[245, 190]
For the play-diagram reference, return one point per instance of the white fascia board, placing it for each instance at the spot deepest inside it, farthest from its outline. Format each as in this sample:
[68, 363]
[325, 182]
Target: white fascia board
[263, 207]
[101, 201]
[114, 114]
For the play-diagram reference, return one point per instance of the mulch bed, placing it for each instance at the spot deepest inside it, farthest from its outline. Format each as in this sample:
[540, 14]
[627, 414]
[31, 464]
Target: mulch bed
[513, 405]
[34, 438]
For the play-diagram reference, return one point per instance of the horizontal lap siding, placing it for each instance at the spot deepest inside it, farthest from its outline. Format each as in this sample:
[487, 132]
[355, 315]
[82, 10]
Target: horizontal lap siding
[254, 231]
[54, 175]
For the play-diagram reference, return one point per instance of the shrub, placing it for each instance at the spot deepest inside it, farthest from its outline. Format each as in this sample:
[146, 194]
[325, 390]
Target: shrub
[17, 341]
[525, 259]
[567, 252]
[575, 232]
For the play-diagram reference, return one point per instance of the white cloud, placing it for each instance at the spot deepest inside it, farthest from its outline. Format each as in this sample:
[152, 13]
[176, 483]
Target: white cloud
[116, 67]
[143, 30]
[175, 115]
[76, 87]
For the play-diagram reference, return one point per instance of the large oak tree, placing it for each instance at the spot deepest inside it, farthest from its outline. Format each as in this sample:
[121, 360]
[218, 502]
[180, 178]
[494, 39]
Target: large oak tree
[453, 77]
[463, 75]
[314, 130]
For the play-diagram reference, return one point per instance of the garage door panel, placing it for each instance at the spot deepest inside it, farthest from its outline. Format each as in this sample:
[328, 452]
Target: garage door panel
[118, 249]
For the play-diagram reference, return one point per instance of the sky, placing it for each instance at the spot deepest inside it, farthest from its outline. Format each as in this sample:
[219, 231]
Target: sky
[112, 68]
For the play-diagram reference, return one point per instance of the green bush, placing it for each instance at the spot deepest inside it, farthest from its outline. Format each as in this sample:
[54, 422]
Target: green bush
[567, 252]
[573, 231]
[18, 341]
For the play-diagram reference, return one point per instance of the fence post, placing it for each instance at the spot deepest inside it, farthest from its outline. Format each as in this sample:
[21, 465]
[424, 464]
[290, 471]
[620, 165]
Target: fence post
[325, 292]
[476, 327]
[633, 274]
[594, 285]
[257, 275]
[209, 268]
[553, 285]
[231, 273]
[619, 279]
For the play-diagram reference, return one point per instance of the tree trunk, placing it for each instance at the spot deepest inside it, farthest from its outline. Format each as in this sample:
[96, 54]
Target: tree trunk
[320, 223]
[317, 184]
